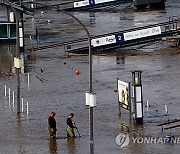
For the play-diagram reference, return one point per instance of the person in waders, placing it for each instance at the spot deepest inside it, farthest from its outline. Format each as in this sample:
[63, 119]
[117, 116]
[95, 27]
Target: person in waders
[70, 126]
[52, 125]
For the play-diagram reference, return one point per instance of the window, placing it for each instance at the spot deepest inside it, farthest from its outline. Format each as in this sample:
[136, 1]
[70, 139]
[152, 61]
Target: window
[3, 31]
[12, 31]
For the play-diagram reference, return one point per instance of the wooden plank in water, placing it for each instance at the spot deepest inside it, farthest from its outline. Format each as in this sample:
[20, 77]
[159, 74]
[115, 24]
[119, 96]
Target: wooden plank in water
[170, 122]
[172, 127]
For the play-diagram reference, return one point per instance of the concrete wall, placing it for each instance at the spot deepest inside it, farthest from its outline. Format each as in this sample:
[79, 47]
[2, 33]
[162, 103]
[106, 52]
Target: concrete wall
[140, 2]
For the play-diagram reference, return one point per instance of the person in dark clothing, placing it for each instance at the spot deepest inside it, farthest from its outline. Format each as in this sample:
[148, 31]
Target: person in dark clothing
[52, 125]
[70, 126]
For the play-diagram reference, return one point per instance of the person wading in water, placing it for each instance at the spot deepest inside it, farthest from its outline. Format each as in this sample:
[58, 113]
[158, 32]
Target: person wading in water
[70, 126]
[52, 125]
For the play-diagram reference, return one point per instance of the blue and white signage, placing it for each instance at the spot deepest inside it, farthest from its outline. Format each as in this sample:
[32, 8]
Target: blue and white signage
[90, 2]
[102, 1]
[119, 37]
[103, 41]
[81, 3]
[142, 33]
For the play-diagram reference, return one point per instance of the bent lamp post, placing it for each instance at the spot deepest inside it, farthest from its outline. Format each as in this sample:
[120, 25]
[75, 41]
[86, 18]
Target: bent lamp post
[92, 98]
[90, 72]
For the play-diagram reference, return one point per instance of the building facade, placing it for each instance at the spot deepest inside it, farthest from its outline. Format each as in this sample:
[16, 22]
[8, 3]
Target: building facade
[8, 22]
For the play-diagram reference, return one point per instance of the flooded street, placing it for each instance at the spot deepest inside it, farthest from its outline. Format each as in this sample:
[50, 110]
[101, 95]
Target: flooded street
[63, 91]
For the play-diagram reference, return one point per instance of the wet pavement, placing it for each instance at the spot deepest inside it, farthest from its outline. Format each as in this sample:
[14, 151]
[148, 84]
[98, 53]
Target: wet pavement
[63, 91]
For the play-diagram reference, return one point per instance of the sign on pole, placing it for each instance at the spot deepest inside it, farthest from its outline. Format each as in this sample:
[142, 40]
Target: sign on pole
[123, 92]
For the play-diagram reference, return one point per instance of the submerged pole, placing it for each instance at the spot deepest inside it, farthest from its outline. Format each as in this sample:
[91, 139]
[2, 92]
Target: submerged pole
[5, 91]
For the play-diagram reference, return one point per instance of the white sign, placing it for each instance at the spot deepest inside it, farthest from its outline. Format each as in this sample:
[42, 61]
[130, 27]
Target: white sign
[103, 41]
[138, 94]
[17, 62]
[11, 17]
[3, 13]
[81, 3]
[142, 33]
[103, 1]
[139, 110]
[123, 92]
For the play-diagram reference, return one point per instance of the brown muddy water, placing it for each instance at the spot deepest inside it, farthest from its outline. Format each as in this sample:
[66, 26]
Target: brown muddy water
[63, 91]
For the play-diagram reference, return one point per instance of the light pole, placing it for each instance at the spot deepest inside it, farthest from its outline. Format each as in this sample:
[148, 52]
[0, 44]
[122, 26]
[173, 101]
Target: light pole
[17, 56]
[90, 72]
[90, 79]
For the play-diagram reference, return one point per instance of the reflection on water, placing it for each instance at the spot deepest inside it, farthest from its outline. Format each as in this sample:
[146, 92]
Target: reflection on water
[6, 60]
[92, 18]
[120, 59]
[18, 121]
[53, 146]
[71, 145]
[19, 134]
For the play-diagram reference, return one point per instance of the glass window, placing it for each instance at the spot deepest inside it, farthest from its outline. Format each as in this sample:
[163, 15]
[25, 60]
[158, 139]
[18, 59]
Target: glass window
[3, 31]
[13, 30]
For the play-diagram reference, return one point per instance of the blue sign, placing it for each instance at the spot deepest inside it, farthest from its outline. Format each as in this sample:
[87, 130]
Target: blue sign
[91, 2]
[119, 37]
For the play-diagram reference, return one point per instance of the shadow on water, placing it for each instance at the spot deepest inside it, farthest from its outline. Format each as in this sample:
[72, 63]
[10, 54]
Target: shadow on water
[19, 133]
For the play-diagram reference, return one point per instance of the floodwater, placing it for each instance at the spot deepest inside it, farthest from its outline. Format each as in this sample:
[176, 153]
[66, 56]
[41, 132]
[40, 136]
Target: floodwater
[63, 91]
